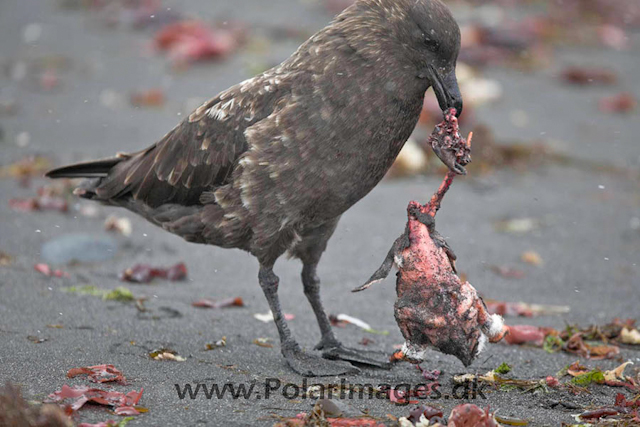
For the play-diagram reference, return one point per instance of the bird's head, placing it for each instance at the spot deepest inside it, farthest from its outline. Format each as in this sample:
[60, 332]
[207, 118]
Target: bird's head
[434, 38]
[421, 36]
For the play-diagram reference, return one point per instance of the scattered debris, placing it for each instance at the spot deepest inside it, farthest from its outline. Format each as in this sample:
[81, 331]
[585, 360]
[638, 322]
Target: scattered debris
[109, 423]
[228, 302]
[464, 415]
[510, 421]
[586, 378]
[48, 271]
[400, 397]
[503, 368]
[39, 204]
[507, 272]
[191, 41]
[124, 404]
[597, 414]
[36, 340]
[331, 413]
[268, 317]
[531, 257]
[506, 384]
[469, 414]
[143, 273]
[588, 76]
[577, 345]
[594, 342]
[621, 103]
[120, 225]
[51, 197]
[525, 334]
[263, 342]
[429, 375]
[627, 336]
[613, 36]
[426, 415]
[5, 259]
[25, 169]
[352, 320]
[99, 374]
[552, 381]
[344, 319]
[524, 309]
[517, 225]
[120, 293]
[166, 354]
[86, 290]
[148, 98]
[582, 376]
[222, 342]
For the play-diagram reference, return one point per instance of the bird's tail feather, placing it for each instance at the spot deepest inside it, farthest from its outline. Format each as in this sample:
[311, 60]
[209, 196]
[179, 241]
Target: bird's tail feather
[92, 169]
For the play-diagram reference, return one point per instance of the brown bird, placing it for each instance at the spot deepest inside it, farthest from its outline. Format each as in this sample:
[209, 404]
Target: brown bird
[270, 165]
[434, 307]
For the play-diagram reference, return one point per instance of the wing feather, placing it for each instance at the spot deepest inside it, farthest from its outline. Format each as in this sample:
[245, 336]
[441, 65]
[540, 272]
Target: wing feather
[200, 153]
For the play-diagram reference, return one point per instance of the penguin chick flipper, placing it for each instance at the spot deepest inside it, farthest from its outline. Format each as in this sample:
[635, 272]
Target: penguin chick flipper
[392, 257]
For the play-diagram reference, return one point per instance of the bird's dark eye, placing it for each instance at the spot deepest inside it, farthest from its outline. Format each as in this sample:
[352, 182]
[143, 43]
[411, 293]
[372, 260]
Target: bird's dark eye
[431, 44]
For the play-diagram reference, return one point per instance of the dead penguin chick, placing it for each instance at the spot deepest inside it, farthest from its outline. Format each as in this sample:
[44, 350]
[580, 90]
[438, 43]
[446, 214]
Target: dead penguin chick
[434, 308]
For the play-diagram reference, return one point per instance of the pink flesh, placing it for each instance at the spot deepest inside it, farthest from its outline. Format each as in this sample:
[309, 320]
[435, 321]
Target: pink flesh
[434, 307]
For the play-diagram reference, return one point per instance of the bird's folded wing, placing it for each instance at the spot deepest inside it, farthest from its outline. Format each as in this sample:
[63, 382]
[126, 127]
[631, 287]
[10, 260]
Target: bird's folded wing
[200, 153]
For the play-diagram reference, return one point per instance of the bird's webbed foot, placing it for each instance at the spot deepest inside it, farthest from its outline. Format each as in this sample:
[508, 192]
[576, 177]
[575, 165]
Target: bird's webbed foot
[310, 365]
[334, 350]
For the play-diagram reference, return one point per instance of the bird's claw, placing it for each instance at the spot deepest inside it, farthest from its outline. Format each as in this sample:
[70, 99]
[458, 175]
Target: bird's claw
[309, 365]
[356, 356]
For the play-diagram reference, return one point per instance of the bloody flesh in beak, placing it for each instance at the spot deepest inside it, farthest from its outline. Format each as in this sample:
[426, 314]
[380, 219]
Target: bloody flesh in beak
[448, 144]
[446, 90]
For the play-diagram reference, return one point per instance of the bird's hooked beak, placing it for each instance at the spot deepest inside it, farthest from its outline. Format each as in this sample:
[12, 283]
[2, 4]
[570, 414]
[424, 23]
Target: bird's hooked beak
[446, 90]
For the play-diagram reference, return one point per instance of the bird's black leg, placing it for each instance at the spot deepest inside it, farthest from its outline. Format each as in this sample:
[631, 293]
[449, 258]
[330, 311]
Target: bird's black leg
[329, 344]
[301, 362]
[311, 284]
[309, 250]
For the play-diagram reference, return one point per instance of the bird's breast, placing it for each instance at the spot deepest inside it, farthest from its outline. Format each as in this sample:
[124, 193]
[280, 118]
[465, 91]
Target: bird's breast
[359, 153]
